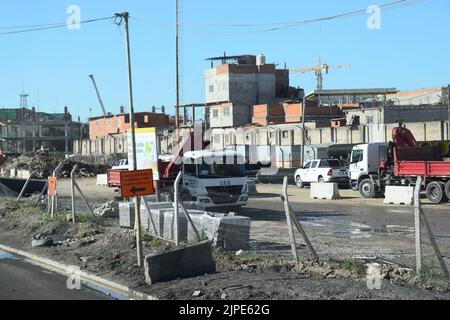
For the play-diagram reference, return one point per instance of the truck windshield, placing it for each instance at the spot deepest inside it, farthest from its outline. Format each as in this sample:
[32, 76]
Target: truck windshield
[357, 156]
[221, 169]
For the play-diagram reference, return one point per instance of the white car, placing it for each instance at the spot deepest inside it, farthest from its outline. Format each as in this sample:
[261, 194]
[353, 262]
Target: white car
[121, 165]
[322, 170]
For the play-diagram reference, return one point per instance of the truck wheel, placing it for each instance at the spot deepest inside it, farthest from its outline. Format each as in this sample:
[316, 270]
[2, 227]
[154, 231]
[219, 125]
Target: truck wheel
[367, 189]
[299, 182]
[447, 189]
[436, 192]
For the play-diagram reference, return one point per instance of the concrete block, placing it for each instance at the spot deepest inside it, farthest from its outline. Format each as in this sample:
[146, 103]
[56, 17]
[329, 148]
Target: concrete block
[126, 214]
[399, 195]
[184, 262]
[102, 179]
[162, 214]
[328, 191]
[230, 233]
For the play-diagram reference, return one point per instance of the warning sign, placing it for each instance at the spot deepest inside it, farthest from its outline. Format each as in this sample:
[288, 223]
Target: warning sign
[137, 183]
[52, 186]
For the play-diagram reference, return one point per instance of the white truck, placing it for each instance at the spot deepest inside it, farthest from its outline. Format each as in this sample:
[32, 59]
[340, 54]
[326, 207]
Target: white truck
[214, 178]
[321, 170]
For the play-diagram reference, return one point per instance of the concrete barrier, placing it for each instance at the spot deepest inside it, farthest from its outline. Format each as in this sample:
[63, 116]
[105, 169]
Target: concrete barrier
[328, 191]
[126, 214]
[102, 179]
[399, 195]
[184, 262]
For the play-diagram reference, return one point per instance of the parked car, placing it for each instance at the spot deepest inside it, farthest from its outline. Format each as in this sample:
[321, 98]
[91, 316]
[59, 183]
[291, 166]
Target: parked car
[321, 170]
[121, 165]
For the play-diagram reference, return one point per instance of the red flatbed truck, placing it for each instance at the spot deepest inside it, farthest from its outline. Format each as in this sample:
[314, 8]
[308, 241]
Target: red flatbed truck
[376, 165]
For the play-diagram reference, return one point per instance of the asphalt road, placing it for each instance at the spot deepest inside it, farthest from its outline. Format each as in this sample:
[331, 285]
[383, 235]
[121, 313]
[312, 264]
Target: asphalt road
[20, 280]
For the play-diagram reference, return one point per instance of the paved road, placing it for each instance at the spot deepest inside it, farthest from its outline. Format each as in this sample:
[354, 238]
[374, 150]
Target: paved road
[20, 280]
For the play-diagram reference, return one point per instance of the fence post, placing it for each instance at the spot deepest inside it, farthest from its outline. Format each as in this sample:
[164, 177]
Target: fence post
[284, 197]
[176, 207]
[24, 188]
[417, 225]
[72, 191]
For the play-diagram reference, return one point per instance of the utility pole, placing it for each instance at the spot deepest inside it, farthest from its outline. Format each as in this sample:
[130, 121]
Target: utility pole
[303, 126]
[177, 117]
[137, 200]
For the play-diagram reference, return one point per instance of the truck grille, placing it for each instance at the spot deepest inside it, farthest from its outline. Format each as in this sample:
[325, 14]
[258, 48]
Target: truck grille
[224, 195]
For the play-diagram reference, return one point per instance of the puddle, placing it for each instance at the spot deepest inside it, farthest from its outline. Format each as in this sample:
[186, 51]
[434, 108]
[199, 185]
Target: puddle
[8, 256]
[339, 228]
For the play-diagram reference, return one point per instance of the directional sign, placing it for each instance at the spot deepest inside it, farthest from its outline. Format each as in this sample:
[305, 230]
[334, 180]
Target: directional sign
[51, 186]
[136, 183]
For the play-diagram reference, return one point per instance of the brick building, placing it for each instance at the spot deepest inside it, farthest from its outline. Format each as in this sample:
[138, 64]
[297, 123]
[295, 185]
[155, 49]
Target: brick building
[100, 127]
[291, 112]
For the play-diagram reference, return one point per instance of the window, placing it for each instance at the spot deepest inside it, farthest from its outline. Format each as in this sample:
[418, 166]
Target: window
[190, 169]
[215, 113]
[314, 164]
[307, 166]
[211, 88]
[330, 163]
[369, 119]
[285, 134]
[226, 112]
[357, 156]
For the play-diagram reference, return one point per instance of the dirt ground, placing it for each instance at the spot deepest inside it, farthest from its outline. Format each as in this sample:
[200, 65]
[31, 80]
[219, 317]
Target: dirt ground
[346, 234]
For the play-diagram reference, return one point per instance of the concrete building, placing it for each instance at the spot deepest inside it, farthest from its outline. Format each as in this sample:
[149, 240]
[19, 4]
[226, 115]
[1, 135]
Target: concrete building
[100, 127]
[343, 97]
[240, 82]
[437, 95]
[280, 142]
[387, 114]
[25, 130]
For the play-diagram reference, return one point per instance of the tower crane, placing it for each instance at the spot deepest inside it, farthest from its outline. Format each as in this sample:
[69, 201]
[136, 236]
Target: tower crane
[319, 70]
[98, 94]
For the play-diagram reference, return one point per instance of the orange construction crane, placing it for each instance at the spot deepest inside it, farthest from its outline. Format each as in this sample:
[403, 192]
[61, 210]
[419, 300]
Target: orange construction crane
[319, 70]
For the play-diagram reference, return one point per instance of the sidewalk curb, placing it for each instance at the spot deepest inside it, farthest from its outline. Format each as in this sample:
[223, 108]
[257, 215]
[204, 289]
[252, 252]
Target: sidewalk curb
[66, 270]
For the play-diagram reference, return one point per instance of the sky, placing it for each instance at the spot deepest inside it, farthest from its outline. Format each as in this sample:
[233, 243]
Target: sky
[410, 50]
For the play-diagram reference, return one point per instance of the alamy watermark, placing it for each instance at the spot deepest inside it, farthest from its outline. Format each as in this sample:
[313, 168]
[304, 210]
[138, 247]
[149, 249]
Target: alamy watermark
[74, 279]
[374, 20]
[74, 20]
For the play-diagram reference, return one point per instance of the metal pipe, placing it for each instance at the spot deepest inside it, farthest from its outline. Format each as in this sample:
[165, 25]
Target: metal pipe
[176, 207]
[72, 190]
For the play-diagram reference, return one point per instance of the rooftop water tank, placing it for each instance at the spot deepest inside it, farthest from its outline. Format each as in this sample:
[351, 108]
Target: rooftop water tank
[260, 60]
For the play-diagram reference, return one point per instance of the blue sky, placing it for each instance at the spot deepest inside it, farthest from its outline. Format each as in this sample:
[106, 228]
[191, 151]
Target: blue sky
[410, 51]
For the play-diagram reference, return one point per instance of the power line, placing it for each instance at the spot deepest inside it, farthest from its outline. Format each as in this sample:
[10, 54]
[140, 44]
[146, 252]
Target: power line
[49, 26]
[285, 25]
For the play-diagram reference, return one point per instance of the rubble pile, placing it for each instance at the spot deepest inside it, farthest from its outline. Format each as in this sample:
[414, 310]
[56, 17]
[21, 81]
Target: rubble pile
[43, 166]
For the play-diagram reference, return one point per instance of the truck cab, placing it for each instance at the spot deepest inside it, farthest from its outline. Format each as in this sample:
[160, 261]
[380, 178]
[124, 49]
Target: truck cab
[363, 169]
[214, 178]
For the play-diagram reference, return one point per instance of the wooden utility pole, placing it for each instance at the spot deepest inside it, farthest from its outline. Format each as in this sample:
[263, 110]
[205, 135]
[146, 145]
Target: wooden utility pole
[137, 225]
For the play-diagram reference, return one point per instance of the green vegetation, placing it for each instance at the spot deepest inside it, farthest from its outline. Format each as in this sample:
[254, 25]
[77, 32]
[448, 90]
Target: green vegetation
[353, 266]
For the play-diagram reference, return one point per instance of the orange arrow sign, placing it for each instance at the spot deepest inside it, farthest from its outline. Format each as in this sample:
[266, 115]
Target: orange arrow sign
[136, 183]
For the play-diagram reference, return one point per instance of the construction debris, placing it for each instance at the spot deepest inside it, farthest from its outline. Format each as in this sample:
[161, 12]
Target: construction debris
[43, 165]
[107, 210]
